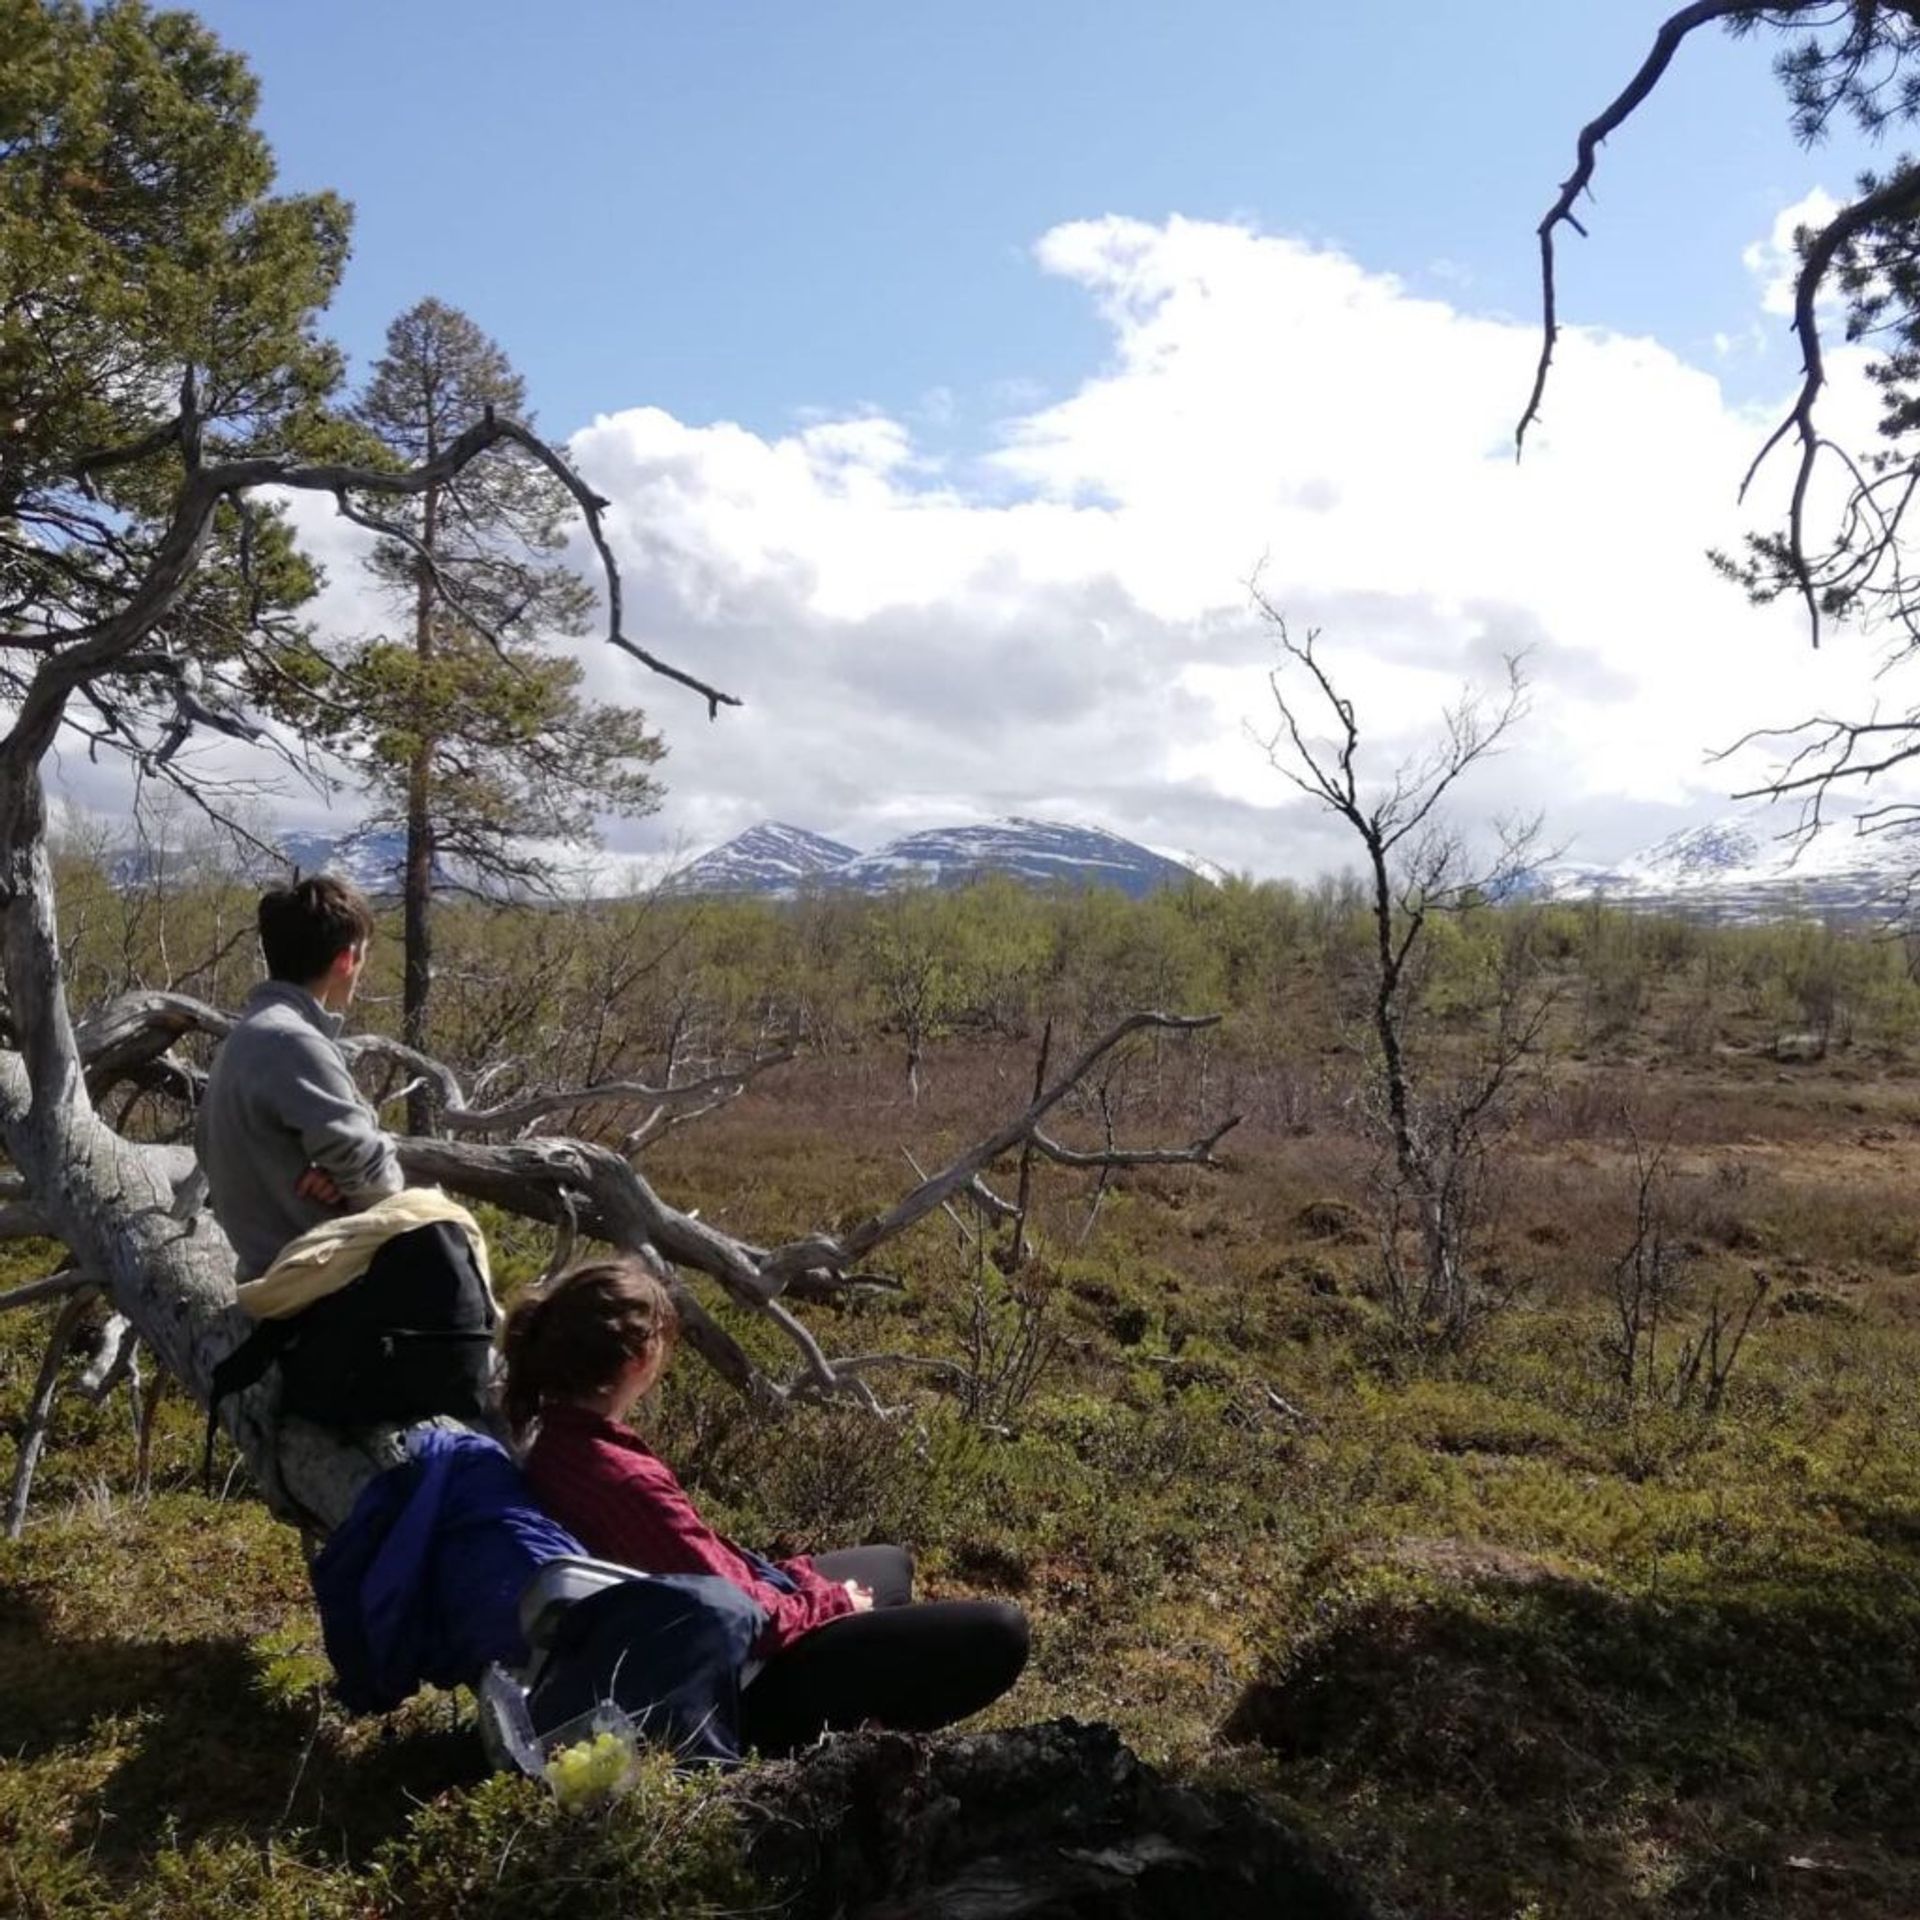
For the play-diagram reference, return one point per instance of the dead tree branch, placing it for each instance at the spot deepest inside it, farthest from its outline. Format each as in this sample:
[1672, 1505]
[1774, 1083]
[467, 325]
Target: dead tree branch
[1666, 43]
[585, 1190]
[1436, 1130]
[54, 1287]
[837, 1252]
[33, 1432]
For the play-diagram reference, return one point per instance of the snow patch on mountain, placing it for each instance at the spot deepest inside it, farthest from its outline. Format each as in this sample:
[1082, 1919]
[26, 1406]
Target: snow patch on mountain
[375, 862]
[1211, 871]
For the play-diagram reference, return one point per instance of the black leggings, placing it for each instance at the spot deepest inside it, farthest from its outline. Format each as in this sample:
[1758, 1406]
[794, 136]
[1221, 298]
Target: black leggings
[909, 1665]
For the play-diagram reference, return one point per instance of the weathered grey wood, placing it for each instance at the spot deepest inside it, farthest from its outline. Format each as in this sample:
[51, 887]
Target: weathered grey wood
[36, 1292]
[112, 1202]
[115, 1359]
[33, 1432]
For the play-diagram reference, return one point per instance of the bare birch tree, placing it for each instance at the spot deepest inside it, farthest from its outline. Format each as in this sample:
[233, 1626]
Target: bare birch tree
[1437, 1120]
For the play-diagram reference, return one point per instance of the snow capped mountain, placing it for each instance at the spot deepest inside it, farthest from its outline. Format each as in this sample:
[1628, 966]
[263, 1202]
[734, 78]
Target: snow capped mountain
[1750, 867]
[1704, 853]
[1039, 852]
[771, 858]
[776, 861]
[374, 862]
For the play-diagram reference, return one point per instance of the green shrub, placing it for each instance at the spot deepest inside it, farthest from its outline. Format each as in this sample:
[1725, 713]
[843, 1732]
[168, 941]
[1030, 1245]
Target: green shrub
[668, 1850]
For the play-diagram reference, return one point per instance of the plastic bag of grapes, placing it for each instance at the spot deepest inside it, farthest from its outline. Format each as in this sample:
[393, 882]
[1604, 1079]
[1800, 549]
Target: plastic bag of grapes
[593, 1758]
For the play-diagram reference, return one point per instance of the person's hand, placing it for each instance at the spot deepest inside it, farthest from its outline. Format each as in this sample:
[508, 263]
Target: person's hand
[317, 1185]
[862, 1596]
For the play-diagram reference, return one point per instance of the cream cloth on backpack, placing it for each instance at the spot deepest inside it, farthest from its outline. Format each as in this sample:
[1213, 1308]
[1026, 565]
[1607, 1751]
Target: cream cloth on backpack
[327, 1257]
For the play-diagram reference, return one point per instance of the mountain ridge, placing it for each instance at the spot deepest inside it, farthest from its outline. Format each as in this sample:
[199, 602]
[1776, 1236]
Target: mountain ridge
[776, 860]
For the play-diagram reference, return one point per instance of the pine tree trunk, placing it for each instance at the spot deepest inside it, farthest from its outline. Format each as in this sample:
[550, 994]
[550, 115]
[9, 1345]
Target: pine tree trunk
[417, 891]
[417, 899]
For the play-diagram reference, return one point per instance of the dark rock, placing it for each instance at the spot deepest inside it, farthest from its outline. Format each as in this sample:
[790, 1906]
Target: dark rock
[1052, 1822]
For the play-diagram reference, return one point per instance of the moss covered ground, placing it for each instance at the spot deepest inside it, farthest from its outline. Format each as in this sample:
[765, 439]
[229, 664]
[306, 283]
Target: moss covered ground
[1512, 1642]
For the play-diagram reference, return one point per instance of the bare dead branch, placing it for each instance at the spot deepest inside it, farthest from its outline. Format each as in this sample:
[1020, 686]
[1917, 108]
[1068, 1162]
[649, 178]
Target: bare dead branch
[538, 1106]
[1198, 1154]
[127, 1034]
[1016, 1251]
[33, 1432]
[995, 1206]
[1277, 1402]
[1869, 533]
[447, 588]
[843, 1250]
[566, 1237]
[1897, 198]
[1666, 43]
[116, 1359]
[55, 1286]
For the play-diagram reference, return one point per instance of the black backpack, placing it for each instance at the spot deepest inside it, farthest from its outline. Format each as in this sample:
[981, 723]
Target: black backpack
[410, 1338]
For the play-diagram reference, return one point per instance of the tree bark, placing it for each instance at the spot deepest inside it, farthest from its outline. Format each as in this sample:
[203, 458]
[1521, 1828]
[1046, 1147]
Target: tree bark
[417, 983]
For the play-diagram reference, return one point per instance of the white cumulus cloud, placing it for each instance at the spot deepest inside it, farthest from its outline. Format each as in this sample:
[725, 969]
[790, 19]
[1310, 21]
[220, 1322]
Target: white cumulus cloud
[1775, 261]
[1066, 627]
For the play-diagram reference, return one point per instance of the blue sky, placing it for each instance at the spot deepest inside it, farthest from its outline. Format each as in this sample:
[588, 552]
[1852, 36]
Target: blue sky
[952, 370]
[740, 210]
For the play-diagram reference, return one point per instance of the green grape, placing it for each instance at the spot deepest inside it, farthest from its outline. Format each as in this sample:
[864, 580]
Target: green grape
[589, 1769]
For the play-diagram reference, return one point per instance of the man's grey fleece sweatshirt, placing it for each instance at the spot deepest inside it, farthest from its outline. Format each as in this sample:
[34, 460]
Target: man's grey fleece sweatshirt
[279, 1100]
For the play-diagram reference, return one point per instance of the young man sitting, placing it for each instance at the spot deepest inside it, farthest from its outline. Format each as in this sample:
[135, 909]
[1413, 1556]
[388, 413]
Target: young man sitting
[284, 1135]
[374, 1297]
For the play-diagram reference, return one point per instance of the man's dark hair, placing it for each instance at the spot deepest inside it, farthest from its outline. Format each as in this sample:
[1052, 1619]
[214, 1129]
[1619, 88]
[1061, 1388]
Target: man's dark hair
[303, 926]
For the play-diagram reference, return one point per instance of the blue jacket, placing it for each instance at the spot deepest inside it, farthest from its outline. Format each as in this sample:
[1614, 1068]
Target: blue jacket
[422, 1585]
[423, 1582]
